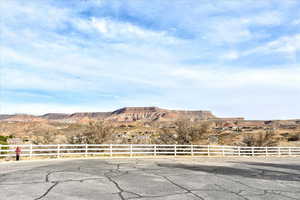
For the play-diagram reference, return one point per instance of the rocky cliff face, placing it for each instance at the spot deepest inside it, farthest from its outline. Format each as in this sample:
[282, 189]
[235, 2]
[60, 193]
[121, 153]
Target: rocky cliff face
[127, 114]
[145, 114]
[136, 113]
[156, 114]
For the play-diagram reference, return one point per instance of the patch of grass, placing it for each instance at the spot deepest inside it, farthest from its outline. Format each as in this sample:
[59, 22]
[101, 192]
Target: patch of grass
[3, 141]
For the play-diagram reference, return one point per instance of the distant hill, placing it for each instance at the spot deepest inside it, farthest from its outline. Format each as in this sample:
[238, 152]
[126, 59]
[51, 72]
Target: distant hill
[146, 114]
[21, 118]
[143, 125]
[127, 114]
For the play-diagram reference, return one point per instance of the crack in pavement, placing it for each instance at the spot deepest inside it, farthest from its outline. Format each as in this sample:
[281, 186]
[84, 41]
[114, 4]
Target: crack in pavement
[265, 192]
[121, 190]
[157, 196]
[177, 185]
[57, 182]
[185, 189]
[46, 193]
[106, 174]
[232, 192]
[113, 171]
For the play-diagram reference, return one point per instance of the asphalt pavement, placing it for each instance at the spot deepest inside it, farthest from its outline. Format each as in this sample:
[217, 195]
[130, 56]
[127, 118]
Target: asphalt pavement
[157, 179]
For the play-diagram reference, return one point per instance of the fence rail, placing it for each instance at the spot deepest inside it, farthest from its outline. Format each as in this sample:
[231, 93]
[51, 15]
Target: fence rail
[136, 150]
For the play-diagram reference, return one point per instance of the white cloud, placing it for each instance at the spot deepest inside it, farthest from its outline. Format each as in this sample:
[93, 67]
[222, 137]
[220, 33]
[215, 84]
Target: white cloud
[230, 55]
[55, 48]
[40, 15]
[126, 31]
[288, 45]
[233, 30]
[230, 31]
[287, 77]
[296, 22]
[42, 108]
[18, 79]
[265, 19]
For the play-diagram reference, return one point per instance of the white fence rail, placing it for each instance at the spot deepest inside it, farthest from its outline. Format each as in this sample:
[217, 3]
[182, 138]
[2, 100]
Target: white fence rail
[137, 150]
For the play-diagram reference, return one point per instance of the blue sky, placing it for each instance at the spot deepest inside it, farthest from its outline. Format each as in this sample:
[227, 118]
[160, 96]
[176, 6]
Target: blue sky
[235, 58]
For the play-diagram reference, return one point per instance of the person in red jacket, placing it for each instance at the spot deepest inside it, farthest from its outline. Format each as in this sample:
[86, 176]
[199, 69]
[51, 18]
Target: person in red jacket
[18, 152]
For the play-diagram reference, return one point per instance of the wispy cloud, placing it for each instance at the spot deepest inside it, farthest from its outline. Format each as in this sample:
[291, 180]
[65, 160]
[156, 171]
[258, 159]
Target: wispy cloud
[124, 31]
[239, 78]
[67, 56]
[285, 45]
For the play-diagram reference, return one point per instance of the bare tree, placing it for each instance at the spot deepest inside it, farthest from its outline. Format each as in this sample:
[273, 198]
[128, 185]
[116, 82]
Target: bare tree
[261, 139]
[185, 132]
[167, 136]
[95, 133]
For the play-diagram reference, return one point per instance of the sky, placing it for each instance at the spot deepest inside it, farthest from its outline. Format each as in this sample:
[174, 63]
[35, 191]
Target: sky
[233, 57]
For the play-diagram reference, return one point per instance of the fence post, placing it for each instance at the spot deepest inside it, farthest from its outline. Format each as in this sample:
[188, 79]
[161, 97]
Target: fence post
[131, 150]
[86, 150]
[30, 152]
[208, 150]
[239, 151]
[279, 151]
[58, 151]
[290, 151]
[155, 150]
[175, 150]
[192, 150]
[223, 151]
[110, 150]
[252, 151]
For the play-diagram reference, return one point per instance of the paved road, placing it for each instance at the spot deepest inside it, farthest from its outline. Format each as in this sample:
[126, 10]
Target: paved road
[158, 179]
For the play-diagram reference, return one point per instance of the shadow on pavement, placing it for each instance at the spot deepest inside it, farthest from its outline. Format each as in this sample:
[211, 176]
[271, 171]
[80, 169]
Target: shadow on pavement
[242, 171]
[282, 166]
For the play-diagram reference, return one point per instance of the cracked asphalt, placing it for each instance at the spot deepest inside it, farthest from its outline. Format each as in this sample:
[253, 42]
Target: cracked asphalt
[158, 179]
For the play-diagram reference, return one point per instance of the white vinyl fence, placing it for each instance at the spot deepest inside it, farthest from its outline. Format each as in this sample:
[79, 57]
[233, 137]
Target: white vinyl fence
[138, 150]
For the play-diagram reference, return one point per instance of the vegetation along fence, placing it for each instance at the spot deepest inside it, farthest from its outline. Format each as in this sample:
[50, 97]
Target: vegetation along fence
[136, 150]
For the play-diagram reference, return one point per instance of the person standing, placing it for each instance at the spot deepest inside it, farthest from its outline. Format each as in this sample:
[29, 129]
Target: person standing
[18, 153]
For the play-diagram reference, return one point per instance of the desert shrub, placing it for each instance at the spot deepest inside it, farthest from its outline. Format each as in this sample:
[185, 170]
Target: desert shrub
[260, 139]
[44, 137]
[3, 141]
[294, 137]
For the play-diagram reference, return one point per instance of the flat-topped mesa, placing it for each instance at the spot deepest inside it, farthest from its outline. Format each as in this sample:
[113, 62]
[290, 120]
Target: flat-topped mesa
[136, 109]
[155, 113]
[126, 114]
[130, 114]
[193, 115]
[98, 115]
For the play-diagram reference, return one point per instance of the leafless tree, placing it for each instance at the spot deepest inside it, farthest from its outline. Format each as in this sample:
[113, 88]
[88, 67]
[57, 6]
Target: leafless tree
[167, 136]
[95, 133]
[185, 132]
[261, 139]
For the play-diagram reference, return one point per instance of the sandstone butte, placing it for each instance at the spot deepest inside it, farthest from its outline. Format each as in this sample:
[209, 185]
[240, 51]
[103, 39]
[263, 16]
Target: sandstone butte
[144, 114]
